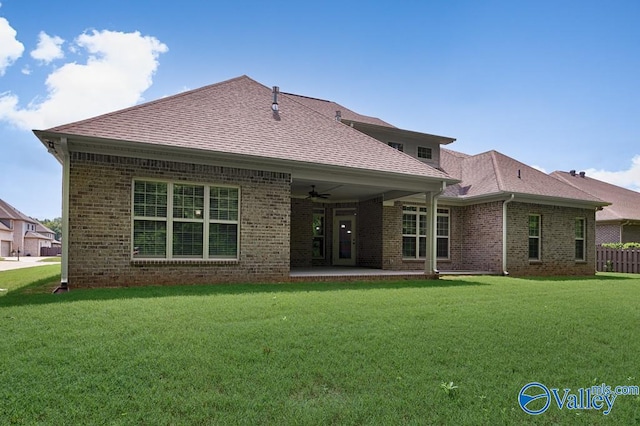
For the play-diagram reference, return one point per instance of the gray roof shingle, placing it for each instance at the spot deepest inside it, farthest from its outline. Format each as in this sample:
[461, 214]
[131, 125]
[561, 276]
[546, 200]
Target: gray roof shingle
[235, 117]
[494, 173]
[625, 203]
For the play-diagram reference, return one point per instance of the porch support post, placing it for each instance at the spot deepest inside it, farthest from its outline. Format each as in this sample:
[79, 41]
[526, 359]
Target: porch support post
[430, 262]
[430, 259]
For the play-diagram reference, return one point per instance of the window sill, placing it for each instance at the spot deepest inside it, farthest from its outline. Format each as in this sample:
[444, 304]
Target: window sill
[581, 262]
[191, 262]
[535, 262]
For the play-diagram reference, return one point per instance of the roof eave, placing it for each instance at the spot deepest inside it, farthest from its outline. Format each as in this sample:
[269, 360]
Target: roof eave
[443, 140]
[524, 198]
[299, 169]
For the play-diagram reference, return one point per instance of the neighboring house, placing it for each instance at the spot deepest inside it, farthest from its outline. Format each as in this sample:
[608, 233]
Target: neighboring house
[21, 232]
[6, 240]
[237, 182]
[617, 223]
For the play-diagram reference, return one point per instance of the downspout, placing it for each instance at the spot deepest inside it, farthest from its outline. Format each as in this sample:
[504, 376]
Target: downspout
[434, 224]
[504, 234]
[622, 225]
[66, 165]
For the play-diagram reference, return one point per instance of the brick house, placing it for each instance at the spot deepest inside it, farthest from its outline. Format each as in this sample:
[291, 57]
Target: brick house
[237, 182]
[616, 223]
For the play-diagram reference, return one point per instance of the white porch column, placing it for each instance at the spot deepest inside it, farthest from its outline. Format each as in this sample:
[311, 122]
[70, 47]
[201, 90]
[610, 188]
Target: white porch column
[430, 260]
[431, 198]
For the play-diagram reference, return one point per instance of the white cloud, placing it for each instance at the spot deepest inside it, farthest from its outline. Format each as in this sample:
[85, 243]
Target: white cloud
[629, 178]
[542, 169]
[10, 48]
[118, 70]
[48, 49]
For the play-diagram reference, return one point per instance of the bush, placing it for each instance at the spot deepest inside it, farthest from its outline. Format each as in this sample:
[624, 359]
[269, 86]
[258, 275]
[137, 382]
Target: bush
[621, 246]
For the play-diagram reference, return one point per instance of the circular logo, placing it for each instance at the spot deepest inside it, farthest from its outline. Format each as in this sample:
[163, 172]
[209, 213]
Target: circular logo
[532, 396]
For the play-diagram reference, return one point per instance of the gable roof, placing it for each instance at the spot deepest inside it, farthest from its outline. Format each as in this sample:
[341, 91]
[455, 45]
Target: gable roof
[235, 117]
[43, 229]
[7, 211]
[625, 203]
[493, 173]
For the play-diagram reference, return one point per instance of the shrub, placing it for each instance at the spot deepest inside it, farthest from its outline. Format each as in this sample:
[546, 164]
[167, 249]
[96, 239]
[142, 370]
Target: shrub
[621, 246]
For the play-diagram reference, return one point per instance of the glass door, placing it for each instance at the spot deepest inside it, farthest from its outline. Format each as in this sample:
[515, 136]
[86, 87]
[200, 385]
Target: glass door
[344, 240]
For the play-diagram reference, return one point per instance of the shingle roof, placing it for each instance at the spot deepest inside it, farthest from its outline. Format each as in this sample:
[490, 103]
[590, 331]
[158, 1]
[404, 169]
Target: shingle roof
[36, 235]
[7, 211]
[625, 203]
[494, 173]
[41, 228]
[235, 117]
[329, 108]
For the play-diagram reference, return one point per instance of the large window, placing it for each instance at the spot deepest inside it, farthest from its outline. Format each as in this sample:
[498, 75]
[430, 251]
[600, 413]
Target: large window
[318, 233]
[580, 238]
[442, 234]
[185, 221]
[414, 232]
[534, 237]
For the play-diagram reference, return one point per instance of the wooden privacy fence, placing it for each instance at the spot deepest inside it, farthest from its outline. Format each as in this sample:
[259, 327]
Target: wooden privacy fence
[618, 260]
[50, 251]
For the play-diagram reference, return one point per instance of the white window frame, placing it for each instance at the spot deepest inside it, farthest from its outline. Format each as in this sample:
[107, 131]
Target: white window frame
[420, 212]
[169, 220]
[583, 239]
[444, 212]
[538, 237]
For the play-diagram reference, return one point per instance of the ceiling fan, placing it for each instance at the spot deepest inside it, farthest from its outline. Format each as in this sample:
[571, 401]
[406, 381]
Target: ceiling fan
[315, 194]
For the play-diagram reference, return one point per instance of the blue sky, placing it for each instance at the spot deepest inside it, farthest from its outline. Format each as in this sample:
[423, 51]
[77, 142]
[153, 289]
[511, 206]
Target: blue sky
[553, 84]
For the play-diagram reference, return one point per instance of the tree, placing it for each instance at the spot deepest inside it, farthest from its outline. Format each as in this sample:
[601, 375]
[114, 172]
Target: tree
[55, 225]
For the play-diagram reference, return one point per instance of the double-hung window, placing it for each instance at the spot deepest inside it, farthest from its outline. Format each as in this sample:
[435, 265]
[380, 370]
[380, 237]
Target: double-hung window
[534, 237]
[442, 234]
[185, 221]
[414, 232]
[580, 239]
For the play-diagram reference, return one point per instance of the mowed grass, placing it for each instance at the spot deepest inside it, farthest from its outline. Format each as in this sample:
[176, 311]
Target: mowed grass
[323, 353]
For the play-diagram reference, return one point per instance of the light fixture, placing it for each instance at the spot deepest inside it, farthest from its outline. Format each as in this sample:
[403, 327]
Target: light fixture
[51, 147]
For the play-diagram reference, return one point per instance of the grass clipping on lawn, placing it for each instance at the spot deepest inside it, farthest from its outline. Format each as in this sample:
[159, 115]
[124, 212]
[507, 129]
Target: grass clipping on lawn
[452, 351]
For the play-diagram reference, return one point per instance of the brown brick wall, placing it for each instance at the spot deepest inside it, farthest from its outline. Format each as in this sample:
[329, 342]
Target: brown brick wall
[301, 232]
[558, 240]
[475, 238]
[607, 234]
[100, 224]
[631, 234]
[369, 224]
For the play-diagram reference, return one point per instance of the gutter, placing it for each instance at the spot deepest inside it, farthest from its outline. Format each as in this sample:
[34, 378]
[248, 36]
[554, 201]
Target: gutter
[504, 234]
[66, 166]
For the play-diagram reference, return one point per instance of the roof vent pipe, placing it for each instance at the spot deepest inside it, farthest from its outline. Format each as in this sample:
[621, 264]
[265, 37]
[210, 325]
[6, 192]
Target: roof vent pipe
[582, 174]
[338, 116]
[572, 172]
[274, 105]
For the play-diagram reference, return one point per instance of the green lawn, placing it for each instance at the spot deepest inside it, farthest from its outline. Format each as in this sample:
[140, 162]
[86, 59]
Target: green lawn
[341, 353]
